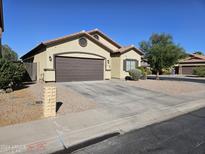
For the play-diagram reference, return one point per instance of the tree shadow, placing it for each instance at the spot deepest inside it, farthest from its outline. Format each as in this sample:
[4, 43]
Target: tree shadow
[58, 105]
[22, 85]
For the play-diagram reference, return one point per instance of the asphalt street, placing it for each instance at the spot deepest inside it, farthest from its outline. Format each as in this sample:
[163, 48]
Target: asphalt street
[182, 135]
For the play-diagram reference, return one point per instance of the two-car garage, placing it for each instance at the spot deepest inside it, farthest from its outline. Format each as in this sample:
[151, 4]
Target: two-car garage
[78, 69]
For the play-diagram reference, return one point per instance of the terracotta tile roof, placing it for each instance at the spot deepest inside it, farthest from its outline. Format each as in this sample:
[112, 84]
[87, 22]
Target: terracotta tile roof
[191, 61]
[59, 39]
[104, 36]
[193, 58]
[199, 56]
[128, 48]
[67, 37]
[88, 35]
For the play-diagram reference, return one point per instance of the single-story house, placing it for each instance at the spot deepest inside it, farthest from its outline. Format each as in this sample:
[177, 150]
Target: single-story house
[186, 66]
[82, 56]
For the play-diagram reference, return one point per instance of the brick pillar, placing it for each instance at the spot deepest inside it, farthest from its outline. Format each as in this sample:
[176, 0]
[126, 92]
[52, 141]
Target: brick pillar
[49, 100]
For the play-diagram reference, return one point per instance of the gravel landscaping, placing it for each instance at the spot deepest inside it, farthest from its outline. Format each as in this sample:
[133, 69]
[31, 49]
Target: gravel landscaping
[169, 87]
[19, 106]
[22, 105]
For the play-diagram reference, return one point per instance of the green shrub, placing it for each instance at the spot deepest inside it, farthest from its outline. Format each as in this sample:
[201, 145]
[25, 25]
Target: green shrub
[11, 73]
[199, 71]
[135, 74]
[145, 71]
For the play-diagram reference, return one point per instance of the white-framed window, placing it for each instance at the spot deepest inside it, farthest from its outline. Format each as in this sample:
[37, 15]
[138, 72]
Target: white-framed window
[130, 64]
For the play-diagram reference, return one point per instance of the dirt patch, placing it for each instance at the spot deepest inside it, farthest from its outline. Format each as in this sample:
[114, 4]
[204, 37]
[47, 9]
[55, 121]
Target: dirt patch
[20, 105]
[169, 87]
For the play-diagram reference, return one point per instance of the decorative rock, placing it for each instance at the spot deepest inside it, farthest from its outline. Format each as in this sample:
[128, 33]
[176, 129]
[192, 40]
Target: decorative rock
[2, 91]
[8, 90]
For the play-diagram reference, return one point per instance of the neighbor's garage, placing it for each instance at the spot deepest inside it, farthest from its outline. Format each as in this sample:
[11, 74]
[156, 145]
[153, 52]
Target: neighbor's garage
[187, 69]
[78, 69]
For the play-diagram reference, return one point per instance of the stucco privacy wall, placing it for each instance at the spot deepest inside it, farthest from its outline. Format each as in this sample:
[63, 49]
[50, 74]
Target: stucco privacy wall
[128, 55]
[116, 65]
[41, 64]
[73, 49]
[108, 44]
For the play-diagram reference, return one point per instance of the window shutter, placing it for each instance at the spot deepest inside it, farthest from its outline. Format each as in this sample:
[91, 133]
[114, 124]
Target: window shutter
[124, 65]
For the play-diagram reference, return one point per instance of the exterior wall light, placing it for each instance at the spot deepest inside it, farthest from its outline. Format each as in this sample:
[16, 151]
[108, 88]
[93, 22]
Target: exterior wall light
[50, 58]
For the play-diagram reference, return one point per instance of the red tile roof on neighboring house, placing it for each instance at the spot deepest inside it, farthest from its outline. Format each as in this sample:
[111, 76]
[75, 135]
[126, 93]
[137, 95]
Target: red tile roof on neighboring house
[199, 56]
[193, 58]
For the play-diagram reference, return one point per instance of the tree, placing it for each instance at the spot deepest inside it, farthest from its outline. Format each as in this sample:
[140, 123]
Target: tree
[198, 53]
[161, 52]
[8, 53]
[11, 73]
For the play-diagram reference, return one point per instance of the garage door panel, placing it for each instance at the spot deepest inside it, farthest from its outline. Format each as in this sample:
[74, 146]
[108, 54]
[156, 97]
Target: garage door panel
[78, 69]
[187, 69]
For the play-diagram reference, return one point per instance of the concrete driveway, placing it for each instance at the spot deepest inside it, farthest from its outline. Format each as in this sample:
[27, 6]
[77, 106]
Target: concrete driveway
[122, 99]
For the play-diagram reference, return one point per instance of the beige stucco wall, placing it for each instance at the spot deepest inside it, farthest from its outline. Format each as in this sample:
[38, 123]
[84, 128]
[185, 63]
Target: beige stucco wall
[73, 49]
[107, 43]
[80, 55]
[128, 55]
[40, 59]
[116, 65]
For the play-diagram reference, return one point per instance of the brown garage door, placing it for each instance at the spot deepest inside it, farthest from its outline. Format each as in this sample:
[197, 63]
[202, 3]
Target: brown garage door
[78, 69]
[187, 69]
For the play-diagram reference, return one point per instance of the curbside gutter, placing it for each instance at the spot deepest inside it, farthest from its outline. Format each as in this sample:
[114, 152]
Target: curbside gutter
[86, 143]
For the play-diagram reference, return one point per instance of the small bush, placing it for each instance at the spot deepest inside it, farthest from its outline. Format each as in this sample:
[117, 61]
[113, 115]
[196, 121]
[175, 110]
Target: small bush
[135, 74]
[145, 71]
[199, 71]
[11, 73]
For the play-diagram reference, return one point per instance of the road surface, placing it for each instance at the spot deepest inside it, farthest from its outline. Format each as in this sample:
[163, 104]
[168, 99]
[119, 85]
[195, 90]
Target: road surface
[181, 135]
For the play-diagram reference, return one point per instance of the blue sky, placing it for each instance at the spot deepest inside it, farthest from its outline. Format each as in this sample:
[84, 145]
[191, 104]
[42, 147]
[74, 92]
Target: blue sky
[28, 22]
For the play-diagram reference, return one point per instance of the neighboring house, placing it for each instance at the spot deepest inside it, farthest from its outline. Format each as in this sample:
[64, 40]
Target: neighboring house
[82, 56]
[1, 24]
[187, 65]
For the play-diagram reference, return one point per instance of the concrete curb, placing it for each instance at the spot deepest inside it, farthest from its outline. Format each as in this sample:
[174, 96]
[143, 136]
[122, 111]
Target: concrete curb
[88, 142]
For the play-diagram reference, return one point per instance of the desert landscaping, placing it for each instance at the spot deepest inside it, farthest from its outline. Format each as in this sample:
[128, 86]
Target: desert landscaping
[25, 104]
